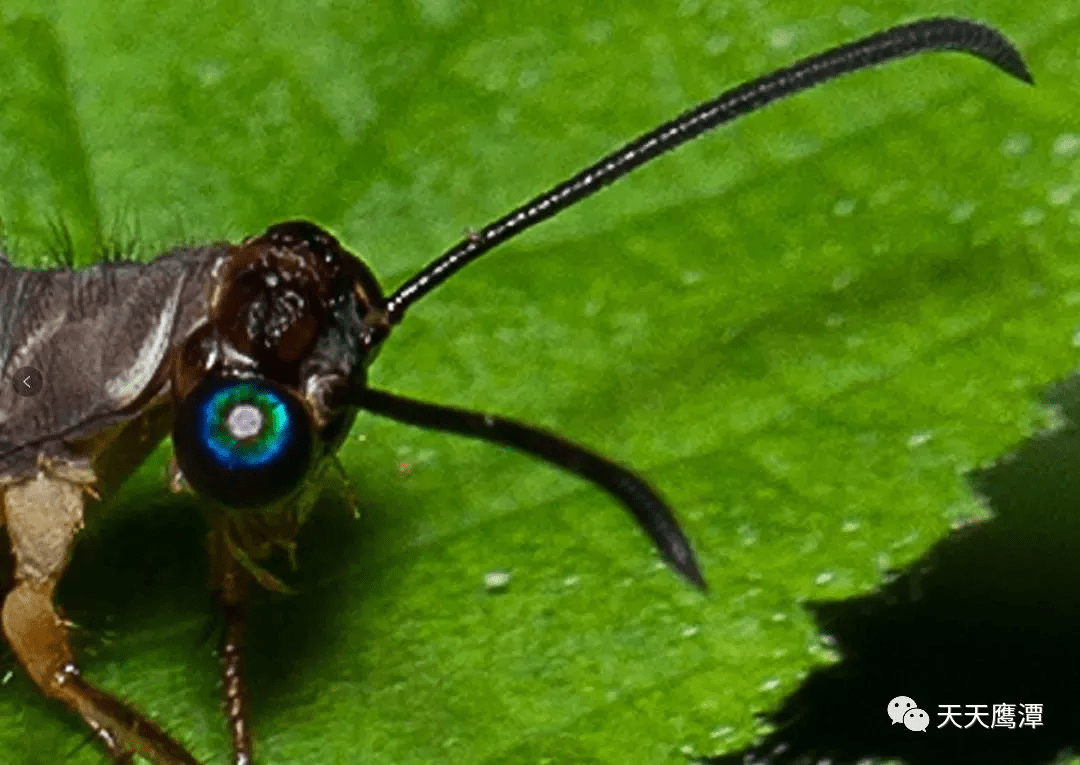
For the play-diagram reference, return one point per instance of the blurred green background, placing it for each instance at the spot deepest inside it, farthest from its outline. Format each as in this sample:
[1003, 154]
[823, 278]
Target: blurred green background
[805, 329]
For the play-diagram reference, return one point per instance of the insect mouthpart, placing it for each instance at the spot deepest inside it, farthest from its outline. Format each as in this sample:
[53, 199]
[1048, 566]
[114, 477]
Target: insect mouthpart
[245, 442]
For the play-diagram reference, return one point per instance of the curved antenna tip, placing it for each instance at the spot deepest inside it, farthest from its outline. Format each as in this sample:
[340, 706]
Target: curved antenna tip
[1008, 60]
[694, 576]
[676, 552]
[980, 40]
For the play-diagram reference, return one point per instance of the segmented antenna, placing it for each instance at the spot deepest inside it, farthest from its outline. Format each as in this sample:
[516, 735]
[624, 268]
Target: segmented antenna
[938, 34]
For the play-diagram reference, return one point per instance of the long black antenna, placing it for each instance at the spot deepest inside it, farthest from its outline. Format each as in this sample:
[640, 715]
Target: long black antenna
[647, 507]
[939, 34]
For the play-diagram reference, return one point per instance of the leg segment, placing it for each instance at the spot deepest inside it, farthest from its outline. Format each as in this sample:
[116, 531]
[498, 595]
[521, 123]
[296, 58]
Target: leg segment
[42, 516]
[231, 580]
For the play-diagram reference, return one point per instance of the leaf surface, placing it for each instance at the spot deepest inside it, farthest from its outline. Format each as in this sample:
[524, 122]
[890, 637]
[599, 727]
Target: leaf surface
[804, 330]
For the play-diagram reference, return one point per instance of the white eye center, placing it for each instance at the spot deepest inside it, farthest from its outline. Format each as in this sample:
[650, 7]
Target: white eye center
[245, 421]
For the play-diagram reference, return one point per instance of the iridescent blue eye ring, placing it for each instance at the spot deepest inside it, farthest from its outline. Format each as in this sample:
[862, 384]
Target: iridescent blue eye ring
[244, 425]
[243, 441]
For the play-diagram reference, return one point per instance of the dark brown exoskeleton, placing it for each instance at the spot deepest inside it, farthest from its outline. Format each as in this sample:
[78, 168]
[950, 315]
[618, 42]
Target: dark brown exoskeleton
[254, 357]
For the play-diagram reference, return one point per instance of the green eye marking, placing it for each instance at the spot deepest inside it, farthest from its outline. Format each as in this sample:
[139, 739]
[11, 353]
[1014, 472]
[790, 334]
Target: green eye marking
[245, 442]
[245, 426]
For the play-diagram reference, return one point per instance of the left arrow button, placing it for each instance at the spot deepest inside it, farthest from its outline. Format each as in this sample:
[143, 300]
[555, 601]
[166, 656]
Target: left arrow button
[27, 381]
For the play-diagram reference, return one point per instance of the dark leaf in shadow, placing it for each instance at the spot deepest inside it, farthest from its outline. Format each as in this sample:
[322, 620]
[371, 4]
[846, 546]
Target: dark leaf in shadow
[989, 616]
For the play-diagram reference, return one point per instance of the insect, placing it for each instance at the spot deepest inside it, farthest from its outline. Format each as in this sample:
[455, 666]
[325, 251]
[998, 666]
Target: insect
[253, 358]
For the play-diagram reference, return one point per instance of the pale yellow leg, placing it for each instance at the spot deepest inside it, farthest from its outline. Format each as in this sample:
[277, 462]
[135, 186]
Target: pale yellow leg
[43, 514]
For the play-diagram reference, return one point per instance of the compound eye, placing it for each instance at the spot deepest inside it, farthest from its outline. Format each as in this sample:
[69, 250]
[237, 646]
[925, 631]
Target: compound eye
[242, 442]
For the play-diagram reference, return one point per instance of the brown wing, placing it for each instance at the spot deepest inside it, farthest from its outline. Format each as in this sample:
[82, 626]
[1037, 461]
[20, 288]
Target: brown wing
[99, 337]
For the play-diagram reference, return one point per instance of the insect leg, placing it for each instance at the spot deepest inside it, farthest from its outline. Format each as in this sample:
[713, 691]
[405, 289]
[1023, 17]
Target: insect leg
[648, 509]
[231, 581]
[43, 516]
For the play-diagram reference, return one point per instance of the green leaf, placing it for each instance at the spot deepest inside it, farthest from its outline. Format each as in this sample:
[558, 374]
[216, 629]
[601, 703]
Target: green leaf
[804, 329]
